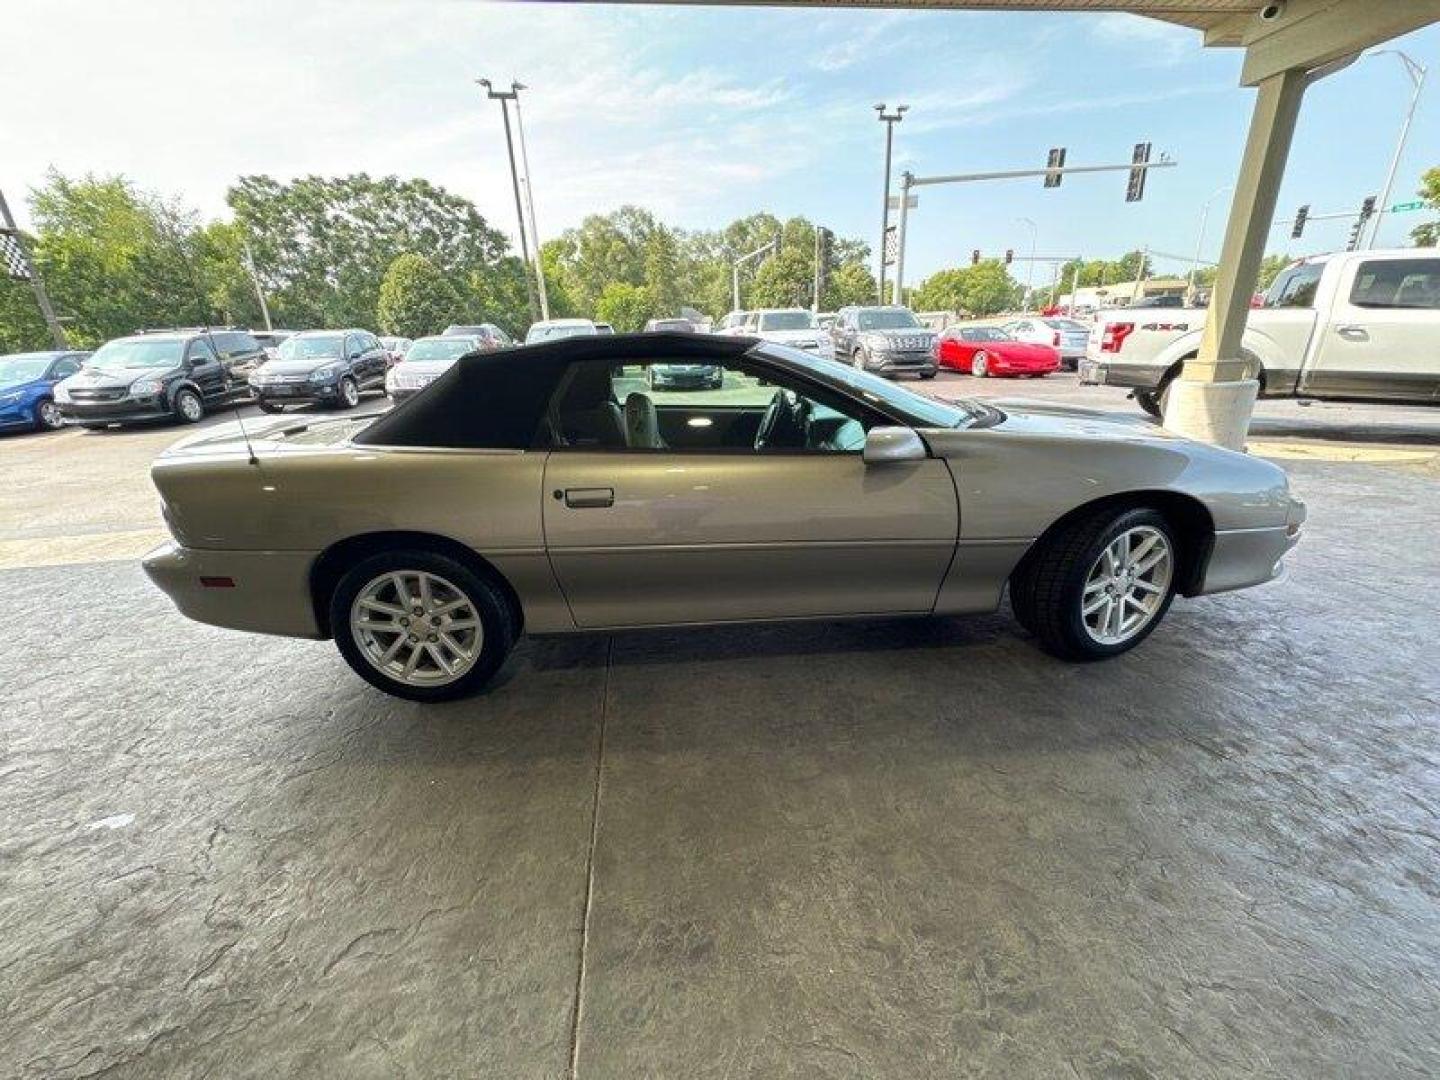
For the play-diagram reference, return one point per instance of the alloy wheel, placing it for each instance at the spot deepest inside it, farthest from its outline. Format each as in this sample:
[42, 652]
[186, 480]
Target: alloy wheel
[417, 628]
[189, 406]
[980, 366]
[49, 415]
[349, 393]
[1127, 585]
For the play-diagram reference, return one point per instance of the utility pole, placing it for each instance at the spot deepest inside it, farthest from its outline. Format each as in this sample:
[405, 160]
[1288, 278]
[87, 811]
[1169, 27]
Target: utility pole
[889, 120]
[1030, 274]
[1074, 284]
[255, 281]
[906, 179]
[530, 203]
[503, 96]
[1199, 242]
[42, 298]
[1417, 77]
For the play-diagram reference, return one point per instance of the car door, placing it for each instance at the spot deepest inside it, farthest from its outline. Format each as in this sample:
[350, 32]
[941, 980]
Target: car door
[698, 533]
[1379, 340]
[205, 370]
[375, 359]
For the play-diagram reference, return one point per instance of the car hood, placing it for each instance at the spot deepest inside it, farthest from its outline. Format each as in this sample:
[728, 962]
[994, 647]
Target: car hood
[424, 367]
[87, 378]
[899, 332]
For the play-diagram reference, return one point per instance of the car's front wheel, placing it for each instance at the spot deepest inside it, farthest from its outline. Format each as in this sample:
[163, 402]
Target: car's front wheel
[857, 358]
[1100, 585]
[47, 416]
[349, 393]
[980, 366]
[421, 625]
[189, 408]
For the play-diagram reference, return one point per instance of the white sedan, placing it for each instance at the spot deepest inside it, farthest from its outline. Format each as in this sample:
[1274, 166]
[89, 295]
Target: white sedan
[1066, 336]
[795, 327]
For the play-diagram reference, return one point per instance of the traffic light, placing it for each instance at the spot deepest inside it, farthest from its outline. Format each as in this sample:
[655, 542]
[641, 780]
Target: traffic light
[1135, 190]
[1009, 256]
[1301, 216]
[975, 257]
[1055, 161]
[825, 259]
[1367, 211]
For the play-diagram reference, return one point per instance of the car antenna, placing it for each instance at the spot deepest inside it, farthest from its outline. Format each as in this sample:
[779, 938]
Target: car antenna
[234, 402]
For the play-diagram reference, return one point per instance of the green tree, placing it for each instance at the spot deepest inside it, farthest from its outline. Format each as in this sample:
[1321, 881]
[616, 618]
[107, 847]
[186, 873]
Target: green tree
[499, 294]
[417, 299]
[1428, 233]
[116, 259]
[21, 326]
[980, 290]
[322, 245]
[850, 283]
[624, 306]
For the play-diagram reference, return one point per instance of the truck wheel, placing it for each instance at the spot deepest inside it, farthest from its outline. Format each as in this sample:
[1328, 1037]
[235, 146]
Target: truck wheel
[1149, 400]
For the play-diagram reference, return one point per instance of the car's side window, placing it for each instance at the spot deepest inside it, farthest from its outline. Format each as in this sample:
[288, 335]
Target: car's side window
[689, 407]
[200, 352]
[1397, 283]
[66, 368]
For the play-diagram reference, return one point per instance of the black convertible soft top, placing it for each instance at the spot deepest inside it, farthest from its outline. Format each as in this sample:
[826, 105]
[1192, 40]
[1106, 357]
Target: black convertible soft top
[497, 399]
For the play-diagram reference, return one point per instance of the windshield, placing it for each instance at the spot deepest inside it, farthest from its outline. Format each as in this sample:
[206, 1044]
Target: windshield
[672, 324]
[882, 393]
[986, 333]
[787, 320]
[269, 339]
[541, 332]
[22, 368]
[137, 353]
[310, 348]
[888, 319]
[1064, 324]
[440, 348]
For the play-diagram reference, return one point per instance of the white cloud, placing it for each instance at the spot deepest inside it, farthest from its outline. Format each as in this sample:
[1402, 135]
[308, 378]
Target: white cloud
[1156, 43]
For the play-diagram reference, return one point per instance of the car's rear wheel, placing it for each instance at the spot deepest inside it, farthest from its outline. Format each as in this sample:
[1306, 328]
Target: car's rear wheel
[189, 409]
[349, 393]
[1100, 585]
[421, 625]
[270, 406]
[47, 416]
[980, 366]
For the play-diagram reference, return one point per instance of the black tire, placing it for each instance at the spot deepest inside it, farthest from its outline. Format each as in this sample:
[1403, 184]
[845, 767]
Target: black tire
[927, 374]
[1045, 593]
[187, 406]
[95, 427]
[47, 415]
[270, 406]
[349, 394]
[1150, 401]
[498, 620]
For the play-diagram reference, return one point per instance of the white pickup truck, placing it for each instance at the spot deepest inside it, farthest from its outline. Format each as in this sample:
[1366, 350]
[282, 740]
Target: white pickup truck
[1353, 326]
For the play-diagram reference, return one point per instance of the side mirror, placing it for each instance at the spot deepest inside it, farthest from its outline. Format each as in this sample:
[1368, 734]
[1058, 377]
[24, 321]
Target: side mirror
[884, 445]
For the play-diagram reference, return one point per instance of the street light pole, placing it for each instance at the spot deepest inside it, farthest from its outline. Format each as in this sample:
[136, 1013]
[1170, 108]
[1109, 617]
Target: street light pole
[1417, 77]
[503, 96]
[530, 203]
[42, 298]
[255, 282]
[1199, 241]
[889, 120]
[1030, 275]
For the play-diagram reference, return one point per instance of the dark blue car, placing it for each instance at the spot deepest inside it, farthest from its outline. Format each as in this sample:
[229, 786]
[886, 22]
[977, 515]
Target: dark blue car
[27, 388]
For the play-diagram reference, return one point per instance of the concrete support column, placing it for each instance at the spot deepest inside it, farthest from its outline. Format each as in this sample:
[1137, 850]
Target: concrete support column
[1213, 399]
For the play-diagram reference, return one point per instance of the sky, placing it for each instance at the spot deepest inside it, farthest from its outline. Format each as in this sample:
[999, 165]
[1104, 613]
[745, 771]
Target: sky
[700, 114]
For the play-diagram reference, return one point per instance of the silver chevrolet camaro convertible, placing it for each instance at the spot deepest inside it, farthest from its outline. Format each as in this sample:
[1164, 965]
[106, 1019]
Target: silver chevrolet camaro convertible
[558, 488]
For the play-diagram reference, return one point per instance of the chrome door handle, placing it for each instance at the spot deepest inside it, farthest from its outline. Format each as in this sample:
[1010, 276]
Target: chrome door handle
[583, 498]
[1352, 332]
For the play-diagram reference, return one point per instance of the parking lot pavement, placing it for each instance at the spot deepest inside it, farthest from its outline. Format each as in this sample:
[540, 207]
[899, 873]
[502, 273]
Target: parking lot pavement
[842, 849]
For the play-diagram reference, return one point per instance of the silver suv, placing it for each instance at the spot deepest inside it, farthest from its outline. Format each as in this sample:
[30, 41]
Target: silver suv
[887, 340]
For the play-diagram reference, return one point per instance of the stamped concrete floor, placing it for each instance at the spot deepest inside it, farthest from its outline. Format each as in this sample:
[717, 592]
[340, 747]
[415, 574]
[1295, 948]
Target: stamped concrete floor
[880, 849]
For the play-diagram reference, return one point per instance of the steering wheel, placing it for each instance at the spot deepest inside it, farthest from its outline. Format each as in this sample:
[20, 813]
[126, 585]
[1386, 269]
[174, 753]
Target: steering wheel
[770, 420]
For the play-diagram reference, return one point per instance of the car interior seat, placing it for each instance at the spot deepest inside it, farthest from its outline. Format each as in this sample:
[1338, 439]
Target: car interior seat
[642, 423]
[589, 415]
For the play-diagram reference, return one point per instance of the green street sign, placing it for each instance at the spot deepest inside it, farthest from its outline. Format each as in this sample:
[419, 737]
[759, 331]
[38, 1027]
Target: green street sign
[1401, 207]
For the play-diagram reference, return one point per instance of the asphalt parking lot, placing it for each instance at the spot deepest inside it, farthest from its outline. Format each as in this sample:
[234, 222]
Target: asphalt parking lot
[849, 849]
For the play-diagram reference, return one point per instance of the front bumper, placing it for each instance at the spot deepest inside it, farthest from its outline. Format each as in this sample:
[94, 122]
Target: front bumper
[917, 362]
[269, 591]
[18, 414]
[1240, 558]
[296, 393]
[127, 410]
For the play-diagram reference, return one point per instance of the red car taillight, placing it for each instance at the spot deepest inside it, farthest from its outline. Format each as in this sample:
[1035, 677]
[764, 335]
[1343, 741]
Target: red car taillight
[1114, 336]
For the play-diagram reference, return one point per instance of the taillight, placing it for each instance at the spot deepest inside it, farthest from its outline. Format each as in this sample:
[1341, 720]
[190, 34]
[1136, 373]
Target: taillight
[1114, 336]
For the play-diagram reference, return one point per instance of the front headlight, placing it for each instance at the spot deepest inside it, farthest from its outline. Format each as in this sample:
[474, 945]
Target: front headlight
[146, 387]
[878, 342]
[62, 395]
[326, 373]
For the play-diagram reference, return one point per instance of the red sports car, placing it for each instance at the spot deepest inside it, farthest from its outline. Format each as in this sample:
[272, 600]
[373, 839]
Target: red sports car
[988, 350]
